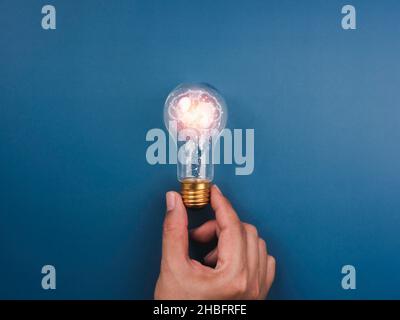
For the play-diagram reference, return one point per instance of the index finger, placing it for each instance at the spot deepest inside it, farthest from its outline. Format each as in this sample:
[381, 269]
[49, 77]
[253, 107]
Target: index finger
[224, 213]
[232, 240]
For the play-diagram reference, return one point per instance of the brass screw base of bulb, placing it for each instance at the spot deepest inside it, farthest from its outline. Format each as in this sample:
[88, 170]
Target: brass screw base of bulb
[195, 192]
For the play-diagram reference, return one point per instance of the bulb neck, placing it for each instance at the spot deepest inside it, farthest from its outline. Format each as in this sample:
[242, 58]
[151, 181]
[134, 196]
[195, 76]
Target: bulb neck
[195, 192]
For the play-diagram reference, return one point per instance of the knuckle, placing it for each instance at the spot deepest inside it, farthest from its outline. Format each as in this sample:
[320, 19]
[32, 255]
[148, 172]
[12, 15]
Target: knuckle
[237, 226]
[239, 285]
[262, 244]
[251, 229]
[241, 228]
[273, 261]
[254, 292]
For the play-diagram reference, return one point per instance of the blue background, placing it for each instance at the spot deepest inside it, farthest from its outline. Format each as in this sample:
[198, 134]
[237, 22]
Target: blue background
[76, 104]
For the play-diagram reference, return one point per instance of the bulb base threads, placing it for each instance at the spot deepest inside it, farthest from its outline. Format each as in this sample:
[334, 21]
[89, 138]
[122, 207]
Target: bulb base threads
[195, 192]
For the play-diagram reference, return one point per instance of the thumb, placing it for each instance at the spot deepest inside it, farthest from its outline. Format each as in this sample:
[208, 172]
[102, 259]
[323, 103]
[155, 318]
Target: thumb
[175, 244]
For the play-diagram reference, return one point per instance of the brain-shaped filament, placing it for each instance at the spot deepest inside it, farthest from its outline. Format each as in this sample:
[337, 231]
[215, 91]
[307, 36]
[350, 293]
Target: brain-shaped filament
[195, 109]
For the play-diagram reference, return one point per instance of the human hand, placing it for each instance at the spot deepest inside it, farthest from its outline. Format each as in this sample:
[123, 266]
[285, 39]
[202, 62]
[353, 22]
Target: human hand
[243, 269]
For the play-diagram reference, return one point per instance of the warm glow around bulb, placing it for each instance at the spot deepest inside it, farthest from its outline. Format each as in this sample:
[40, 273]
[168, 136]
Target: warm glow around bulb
[196, 110]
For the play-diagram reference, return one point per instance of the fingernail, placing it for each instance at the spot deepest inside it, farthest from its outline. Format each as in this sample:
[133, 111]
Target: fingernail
[216, 187]
[170, 198]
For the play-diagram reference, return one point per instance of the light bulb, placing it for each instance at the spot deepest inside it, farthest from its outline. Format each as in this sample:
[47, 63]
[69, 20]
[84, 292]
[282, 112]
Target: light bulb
[195, 115]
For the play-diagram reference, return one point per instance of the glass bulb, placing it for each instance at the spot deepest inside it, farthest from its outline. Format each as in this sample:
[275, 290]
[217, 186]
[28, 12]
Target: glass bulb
[195, 115]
